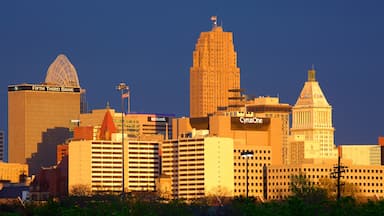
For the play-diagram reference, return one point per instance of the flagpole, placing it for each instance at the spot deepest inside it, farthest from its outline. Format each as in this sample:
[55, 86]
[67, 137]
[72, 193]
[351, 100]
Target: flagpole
[129, 100]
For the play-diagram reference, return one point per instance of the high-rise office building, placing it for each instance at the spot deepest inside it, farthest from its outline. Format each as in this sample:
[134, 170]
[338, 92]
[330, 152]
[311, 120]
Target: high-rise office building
[214, 72]
[39, 116]
[2, 145]
[270, 107]
[312, 120]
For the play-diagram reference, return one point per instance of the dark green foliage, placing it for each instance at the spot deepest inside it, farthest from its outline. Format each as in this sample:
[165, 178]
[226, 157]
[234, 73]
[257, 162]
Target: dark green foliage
[116, 205]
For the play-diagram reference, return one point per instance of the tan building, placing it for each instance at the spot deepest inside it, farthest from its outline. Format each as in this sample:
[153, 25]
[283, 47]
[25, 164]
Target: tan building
[98, 161]
[136, 125]
[362, 154]
[39, 115]
[143, 165]
[39, 119]
[2, 145]
[270, 107]
[214, 72]
[363, 181]
[199, 167]
[312, 121]
[12, 171]
[95, 163]
[260, 136]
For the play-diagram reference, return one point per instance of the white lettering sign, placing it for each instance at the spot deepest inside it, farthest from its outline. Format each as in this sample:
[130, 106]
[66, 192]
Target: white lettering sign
[158, 119]
[38, 88]
[253, 120]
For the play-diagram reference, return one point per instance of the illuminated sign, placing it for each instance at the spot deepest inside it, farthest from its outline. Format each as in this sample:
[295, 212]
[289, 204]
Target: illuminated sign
[250, 123]
[28, 87]
[253, 120]
[158, 119]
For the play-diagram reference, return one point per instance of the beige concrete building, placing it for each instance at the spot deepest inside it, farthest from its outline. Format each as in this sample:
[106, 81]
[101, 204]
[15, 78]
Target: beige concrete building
[143, 165]
[95, 163]
[312, 121]
[214, 72]
[270, 107]
[12, 171]
[363, 181]
[199, 167]
[362, 154]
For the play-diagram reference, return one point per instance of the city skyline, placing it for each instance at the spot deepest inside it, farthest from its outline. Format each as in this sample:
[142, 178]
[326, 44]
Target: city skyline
[276, 45]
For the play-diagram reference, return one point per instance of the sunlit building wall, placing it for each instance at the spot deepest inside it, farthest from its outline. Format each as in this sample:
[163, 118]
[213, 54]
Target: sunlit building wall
[36, 113]
[143, 165]
[362, 154]
[157, 126]
[270, 107]
[12, 171]
[199, 167]
[261, 136]
[365, 181]
[2, 141]
[97, 164]
[214, 72]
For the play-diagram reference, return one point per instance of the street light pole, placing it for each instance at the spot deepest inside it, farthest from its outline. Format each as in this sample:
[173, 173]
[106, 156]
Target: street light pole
[246, 155]
[122, 87]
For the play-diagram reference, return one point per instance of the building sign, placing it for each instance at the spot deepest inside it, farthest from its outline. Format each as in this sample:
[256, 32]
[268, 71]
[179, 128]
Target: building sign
[157, 119]
[250, 123]
[252, 120]
[26, 87]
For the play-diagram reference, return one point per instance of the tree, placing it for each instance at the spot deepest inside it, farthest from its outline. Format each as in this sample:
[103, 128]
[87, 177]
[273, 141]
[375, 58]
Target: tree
[81, 190]
[304, 189]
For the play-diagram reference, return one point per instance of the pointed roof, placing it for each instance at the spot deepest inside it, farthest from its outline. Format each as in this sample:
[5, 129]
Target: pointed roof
[62, 72]
[311, 95]
[108, 127]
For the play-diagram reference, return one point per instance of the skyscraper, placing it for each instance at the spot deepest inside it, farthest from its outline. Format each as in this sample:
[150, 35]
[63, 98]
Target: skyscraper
[2, 145]
[39, 115]
[312, 120]
[214, 72]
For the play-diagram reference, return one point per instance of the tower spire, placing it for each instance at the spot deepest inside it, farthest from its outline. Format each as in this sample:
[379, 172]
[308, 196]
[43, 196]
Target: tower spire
[312, 74]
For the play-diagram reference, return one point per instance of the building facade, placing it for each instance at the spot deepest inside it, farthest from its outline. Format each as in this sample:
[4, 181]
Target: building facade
[270, 107]
[261, 137]
[362, 154]
[199, 167]
[11, 171]
[312, 120]
[214, 72]
[361, 181]
[39, 118]
[39, 115]
[2, 144]
[136, 125]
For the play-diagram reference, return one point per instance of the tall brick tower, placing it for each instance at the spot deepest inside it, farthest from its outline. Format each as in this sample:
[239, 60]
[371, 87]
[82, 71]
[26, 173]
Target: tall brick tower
[214, 72]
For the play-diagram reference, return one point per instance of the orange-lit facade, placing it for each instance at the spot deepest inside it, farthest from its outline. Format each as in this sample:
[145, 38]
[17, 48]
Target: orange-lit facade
[270, 107]
[214, 72]
[261, 136]
[2, 138]
[12, 171]
[136, 125]
[39, 118]
[366, 181]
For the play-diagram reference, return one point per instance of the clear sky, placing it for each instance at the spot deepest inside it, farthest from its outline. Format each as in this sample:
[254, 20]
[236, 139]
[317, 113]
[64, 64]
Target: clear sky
[149, 44]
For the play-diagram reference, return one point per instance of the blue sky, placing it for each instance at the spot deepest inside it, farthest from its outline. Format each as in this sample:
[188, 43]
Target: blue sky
[149, 44]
